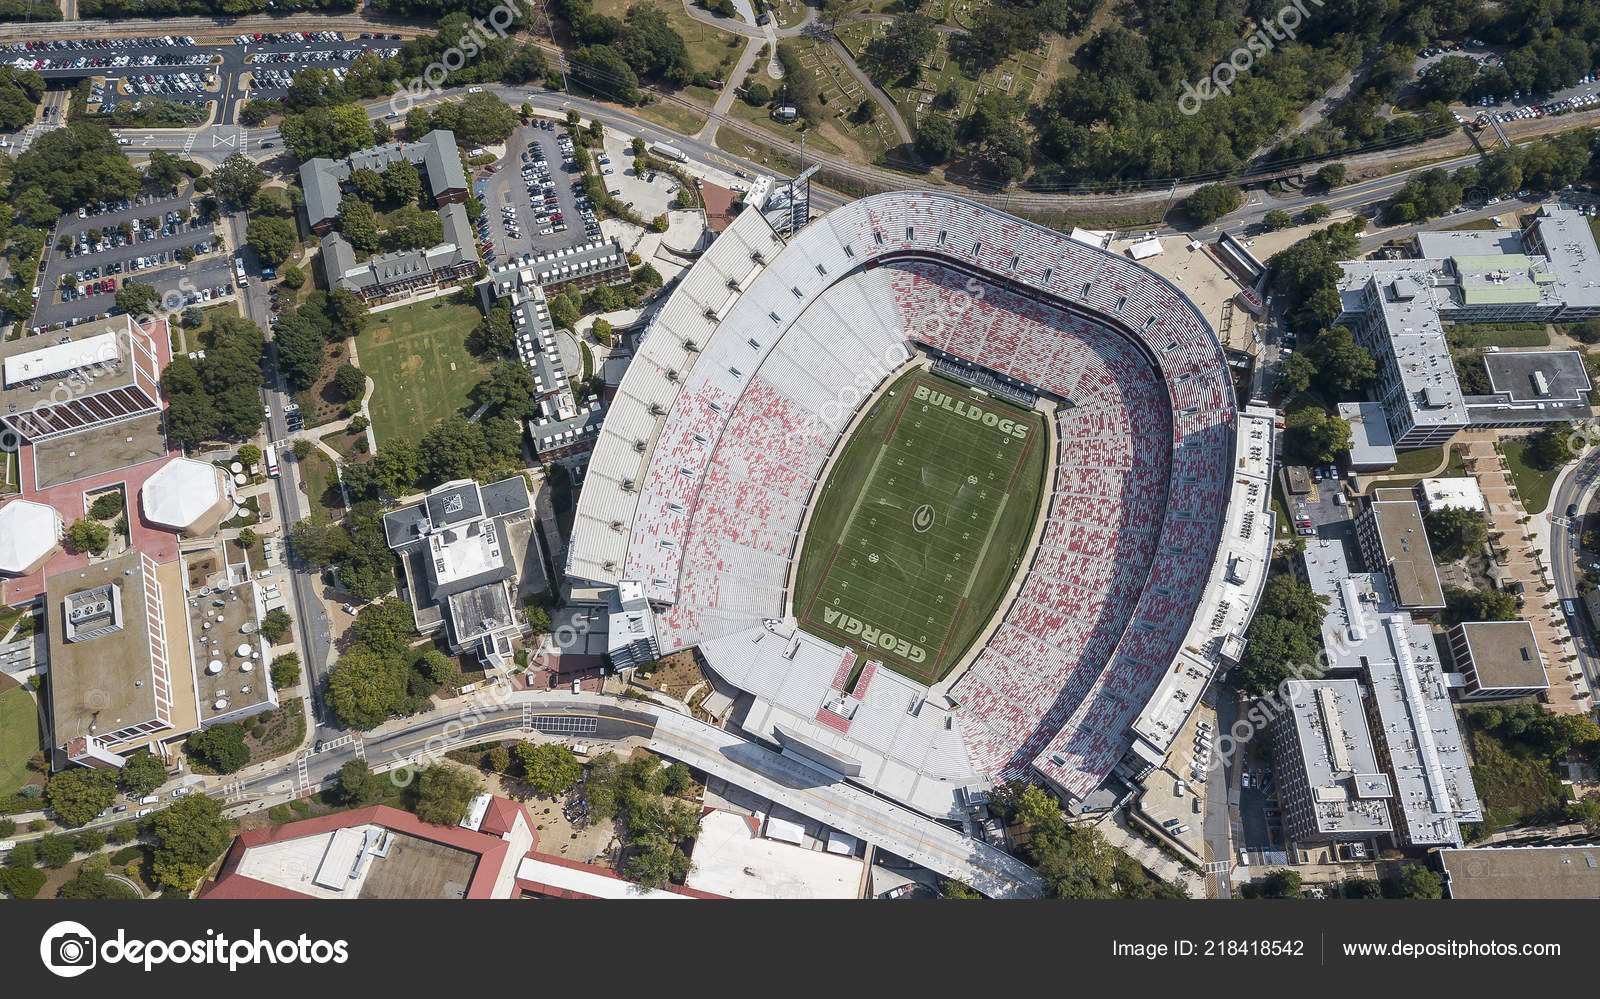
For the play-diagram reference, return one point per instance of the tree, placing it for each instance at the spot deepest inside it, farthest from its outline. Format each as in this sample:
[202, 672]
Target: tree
[293, 277]
[757, 95]
[358, 785]
[1212, 201]
[1277, 219]
[1315, 435]
[435, 667]
[55, 851]
[249, 454]
[220, 747]
[346, 314]
[286, 670]
[364, 687]
[88, 536]
[1549, 448]
[106, 505]
[77, 795]
[1362, 888]
[1455, 532]
[350, 382]
[386, 628]
[902, 49]
[357, 223]
[950, 888]
[1284, 638]
[551, 768]
[142, 773]
[538, 619]
[679, 779]
[1317, 212]
[163, 171]
[1281, 883]
[301, 449]
[237, 180]
[444, 791]
[1478, 605]
[410, 228]
[137, 298]
[1342, 364]
[368, 184]
[603, 332]
[1416, 881]
[275, 625]
[1331, 175]
[936, 139]
[22, 882]
[273, 239]
[190, 834]
[1298, 371]
[401, 185]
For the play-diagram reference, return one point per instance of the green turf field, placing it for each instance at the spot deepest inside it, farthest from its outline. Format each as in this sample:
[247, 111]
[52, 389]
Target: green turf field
[19, 737]
[921, 524]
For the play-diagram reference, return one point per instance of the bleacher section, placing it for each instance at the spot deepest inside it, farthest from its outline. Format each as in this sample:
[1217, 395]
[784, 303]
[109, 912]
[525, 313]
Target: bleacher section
[727, 437]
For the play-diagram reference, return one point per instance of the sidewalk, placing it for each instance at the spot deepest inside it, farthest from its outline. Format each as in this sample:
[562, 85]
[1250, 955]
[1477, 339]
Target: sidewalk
[1116, 831]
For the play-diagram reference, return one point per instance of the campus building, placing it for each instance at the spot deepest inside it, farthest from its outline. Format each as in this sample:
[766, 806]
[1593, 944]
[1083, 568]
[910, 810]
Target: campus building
[1394, 541]
[1405, 694]
[1329, 783]
[583, 267]
[465, 549]
[435, 154]
[1398, 309]
[89, 376]
[1522, 872]
[404, 272]
[1497, 659]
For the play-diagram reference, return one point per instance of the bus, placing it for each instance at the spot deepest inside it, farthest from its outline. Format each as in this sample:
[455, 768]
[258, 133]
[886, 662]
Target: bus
[270, 454]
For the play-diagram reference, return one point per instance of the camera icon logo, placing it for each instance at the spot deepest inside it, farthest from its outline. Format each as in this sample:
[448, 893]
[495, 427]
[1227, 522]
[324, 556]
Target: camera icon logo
[68, 949]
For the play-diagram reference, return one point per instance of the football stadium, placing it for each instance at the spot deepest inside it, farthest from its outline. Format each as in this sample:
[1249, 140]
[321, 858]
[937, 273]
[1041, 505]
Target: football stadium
[948, 497]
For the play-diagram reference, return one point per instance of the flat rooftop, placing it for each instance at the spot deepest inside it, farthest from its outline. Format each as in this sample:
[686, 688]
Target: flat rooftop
[731, 860]
[1349, 792]
[1504, 654]
[34, 365]
[108, 682]
[100, 449]
[1371, 444]
[220, 624]
[1523, 872]
[1404, 538]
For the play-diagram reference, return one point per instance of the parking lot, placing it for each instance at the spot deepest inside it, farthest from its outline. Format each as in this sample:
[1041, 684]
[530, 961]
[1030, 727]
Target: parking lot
[650, 195]
[536, 182]
[148, 253]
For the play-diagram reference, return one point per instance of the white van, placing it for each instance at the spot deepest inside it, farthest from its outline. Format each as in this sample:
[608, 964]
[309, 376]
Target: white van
[150, 799]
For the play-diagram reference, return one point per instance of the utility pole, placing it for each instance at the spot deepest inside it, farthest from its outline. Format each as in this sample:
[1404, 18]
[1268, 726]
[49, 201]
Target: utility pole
[1168, 206]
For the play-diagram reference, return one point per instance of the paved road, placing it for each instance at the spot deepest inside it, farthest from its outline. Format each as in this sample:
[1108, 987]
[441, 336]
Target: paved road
[712, 750]
[1577, 487]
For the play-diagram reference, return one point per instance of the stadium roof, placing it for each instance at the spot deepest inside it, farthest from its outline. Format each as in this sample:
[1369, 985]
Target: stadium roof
[182, 492]
[28, 532]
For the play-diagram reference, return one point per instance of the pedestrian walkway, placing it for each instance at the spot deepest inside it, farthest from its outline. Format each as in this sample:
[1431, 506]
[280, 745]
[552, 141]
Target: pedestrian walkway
[1523, 546]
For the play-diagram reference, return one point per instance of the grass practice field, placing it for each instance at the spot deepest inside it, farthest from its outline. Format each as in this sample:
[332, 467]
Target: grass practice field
[419, 365]
[921, 524]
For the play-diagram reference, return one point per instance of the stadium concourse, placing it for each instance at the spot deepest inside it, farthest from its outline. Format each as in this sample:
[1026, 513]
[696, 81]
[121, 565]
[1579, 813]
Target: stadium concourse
[1156, 527]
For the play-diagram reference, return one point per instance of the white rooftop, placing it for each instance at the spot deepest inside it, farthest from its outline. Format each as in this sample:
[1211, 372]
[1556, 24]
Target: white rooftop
[588, 882]
[180, 493]
[731, 860]
[60, 358]
[1460, 493]
[27, 531]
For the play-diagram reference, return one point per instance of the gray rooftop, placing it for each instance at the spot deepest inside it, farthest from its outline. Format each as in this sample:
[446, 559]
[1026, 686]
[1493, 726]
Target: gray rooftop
[1372, 445]
[1404, 537]
[1365, 631]
[1349, 793]
[1504, 654]
[435, 153]
[1533, 386]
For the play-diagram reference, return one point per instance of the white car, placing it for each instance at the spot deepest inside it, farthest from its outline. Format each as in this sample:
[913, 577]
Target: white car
[474, 90]
[547, 232]
[141, 813]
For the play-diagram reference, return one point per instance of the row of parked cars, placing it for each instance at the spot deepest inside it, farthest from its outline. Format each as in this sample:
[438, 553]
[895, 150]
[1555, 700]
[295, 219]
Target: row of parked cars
[43, 63]
[83, 44]
[322, 55]
[174, 83]
[101, 287]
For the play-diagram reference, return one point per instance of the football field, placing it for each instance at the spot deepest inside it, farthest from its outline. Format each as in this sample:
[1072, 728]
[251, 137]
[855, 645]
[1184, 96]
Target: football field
[921, 524]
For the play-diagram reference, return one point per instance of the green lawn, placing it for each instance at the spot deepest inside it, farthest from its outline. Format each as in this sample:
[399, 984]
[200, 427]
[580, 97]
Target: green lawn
[1418, 462]
[322, 482]
[19, 738]
[1533, 484]
[419, 366]
[1467, 335]
[921, 525]
[709, 48]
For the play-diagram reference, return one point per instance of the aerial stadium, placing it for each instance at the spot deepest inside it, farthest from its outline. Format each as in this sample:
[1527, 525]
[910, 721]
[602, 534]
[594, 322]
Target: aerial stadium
[950, 498]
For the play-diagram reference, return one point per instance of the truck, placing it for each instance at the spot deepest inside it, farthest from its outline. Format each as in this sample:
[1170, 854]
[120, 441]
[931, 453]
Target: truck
[269, 454]
[670, 152]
